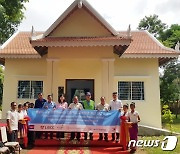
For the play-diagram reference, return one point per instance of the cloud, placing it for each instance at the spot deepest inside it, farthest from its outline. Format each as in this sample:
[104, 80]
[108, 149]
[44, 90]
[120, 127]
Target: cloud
[169, 6]
[169, 11]
[119, 13]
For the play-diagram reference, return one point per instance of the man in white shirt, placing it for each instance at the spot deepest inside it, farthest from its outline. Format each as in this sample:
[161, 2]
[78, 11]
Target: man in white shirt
[12, 123]
[103, 106]
[75, 106]
[115, 104]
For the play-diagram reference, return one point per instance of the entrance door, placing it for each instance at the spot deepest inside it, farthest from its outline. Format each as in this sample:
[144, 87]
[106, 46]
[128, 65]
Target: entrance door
[79, 87]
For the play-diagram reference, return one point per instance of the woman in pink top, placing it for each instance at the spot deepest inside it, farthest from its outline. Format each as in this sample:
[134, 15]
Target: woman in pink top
[62, 104]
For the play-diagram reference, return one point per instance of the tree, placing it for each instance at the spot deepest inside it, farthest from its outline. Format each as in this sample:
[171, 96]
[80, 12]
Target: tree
[152, 24]
[11, 15]
[170, 36]
[170, 85]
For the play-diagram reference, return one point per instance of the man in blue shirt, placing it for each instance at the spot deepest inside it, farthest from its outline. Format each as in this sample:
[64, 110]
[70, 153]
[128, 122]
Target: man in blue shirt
[40, 101]
[49, 105]
[39, 104]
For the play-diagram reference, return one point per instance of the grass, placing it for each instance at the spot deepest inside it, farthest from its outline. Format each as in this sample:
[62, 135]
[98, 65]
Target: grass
[175, 125]
[158, 150]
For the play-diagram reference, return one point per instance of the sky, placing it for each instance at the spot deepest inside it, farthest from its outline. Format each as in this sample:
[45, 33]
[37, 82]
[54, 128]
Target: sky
[119, 13]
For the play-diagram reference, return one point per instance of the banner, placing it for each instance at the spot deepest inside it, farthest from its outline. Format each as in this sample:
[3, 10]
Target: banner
[74, 120]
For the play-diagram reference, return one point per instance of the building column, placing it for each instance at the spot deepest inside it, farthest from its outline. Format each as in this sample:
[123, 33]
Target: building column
[55, 79]
[52, 78]
[111, 78]
[107, 78]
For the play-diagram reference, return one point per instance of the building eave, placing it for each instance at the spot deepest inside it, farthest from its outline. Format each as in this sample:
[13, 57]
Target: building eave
[162, 58]
[80, 43]
[27, 56]
[149, 55]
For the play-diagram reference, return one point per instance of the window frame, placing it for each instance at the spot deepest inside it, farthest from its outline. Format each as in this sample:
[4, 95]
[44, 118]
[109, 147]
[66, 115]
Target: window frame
[30, 88]
[131, 90]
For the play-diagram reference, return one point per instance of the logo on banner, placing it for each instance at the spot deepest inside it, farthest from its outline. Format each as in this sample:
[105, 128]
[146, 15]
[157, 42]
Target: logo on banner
[31, 126]
[168, 144]
[47, 127]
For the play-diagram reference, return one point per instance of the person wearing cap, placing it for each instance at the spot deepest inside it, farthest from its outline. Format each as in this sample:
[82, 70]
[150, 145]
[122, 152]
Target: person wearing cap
[115, 104]
[88, 104]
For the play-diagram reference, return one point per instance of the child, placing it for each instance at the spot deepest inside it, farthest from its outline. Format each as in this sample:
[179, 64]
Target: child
[22, 125]
[124, 131]
[134, 119]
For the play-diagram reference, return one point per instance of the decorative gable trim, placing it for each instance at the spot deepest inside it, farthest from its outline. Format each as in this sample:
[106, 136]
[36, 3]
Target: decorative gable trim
[78, 4]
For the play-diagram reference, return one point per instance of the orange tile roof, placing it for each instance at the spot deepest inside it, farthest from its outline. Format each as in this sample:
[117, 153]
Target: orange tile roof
[142, 43]
[19, 45]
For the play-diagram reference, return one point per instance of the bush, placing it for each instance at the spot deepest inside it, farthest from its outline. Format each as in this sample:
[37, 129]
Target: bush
[167, 116]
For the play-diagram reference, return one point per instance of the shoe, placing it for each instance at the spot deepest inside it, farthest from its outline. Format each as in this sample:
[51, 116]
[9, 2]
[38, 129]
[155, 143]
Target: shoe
[100, 139]
[51, 138]
[117, 140]
[85, 138]
[91, 138]
[45, 137]
[106, 140]
[113, 139]
[78, 139]
[71, 139]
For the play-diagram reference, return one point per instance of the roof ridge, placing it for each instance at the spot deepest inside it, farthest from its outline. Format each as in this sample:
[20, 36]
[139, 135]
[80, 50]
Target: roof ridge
[30, 31]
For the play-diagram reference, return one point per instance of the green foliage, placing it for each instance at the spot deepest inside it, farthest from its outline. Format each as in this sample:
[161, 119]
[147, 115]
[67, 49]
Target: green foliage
[11, 15]
[167, 116]
[152, 24]
[175, 124]
[170, 36]
[170, 82]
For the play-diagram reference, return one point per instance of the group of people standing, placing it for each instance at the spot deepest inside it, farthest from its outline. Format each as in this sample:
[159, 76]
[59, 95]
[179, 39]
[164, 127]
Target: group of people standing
[87, 104]
[15, 119]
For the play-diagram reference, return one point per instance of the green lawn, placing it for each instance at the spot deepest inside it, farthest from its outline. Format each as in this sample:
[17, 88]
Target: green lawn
[158, 150]
[175, 125]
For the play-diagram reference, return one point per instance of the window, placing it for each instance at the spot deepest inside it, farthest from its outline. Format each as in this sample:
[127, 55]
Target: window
[131, 90]
[29, 89]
